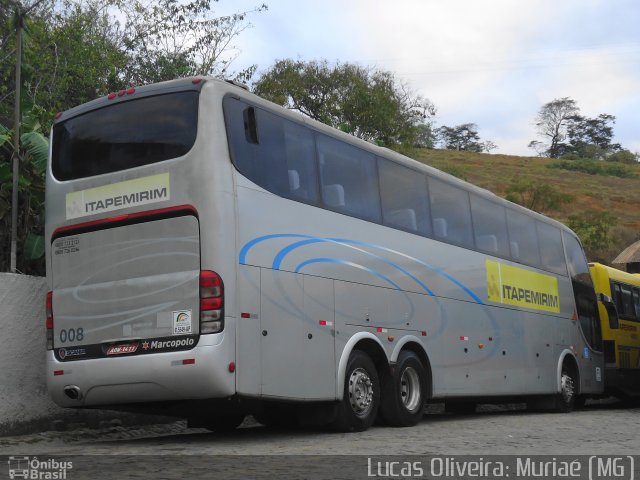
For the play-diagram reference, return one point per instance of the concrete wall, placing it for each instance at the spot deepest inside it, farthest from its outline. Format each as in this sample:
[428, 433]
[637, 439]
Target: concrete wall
[24, 402]
[23, 392]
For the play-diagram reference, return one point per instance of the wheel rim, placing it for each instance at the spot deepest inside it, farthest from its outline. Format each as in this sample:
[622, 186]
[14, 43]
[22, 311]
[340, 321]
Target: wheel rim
[410, 392]
[360, 392]
[567, 388]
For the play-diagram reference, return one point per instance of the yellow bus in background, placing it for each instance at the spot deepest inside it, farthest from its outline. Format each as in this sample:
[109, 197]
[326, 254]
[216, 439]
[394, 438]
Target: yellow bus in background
[619, 303]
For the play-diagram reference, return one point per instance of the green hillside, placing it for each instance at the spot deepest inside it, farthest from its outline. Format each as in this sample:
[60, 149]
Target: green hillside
[592, 194]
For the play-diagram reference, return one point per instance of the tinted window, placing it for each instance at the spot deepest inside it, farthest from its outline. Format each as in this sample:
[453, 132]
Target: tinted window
[271, 151]
[584, 294]
[551, 251]
[489, 226]
[125, 135]
[348, 178]
[405, 202]
[523, 240]
[450, 212]
[625, 303]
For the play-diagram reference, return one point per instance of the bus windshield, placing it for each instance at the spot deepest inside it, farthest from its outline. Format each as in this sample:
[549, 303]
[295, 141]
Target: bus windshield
[125, 135]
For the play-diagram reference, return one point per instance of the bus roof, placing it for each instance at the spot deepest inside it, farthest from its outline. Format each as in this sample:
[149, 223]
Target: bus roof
[240, 91]
[615, 274]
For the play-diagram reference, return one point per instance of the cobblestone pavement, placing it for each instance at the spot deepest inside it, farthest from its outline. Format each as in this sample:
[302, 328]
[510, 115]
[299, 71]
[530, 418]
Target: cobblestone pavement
[597, 429]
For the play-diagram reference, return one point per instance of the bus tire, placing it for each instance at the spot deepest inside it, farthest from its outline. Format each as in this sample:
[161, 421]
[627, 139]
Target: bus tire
[566, 398]
[404, 391]
[361, 400]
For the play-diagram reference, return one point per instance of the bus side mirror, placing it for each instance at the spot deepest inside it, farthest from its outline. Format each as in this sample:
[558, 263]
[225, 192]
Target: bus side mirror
[612, 311]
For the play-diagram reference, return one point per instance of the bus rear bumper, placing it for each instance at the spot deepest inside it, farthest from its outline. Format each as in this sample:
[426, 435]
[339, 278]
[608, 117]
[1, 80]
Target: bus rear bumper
[200, 373]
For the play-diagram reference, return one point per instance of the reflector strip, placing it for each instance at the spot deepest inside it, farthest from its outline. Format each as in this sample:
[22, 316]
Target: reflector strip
[424, 333]
[186, 361]
[381, 330]
[324, 323]
[464, 339]
[57, 373]
[66, 230]
[245, 315]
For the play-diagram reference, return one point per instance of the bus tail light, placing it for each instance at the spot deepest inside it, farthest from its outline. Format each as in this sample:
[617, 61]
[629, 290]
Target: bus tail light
[49, 320]
[211, 302]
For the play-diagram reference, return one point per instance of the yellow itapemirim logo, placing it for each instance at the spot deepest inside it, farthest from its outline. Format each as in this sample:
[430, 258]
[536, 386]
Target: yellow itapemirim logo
[516, 286]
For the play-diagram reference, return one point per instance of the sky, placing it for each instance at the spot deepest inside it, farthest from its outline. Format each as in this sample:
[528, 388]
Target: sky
[489, 62]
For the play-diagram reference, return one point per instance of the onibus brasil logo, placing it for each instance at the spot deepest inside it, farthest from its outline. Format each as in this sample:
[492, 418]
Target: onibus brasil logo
[32, 468]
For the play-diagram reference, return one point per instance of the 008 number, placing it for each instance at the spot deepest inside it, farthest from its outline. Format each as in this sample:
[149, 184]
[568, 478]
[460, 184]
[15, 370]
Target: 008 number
[71, 335]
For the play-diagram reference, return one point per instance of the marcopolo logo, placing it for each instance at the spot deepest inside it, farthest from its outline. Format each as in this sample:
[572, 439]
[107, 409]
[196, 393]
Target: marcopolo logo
[168, 344]
[33, 468]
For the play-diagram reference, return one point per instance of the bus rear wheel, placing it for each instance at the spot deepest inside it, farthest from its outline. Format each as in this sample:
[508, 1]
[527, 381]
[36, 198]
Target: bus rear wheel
[361, 399]
[566, 399]
[404, 391]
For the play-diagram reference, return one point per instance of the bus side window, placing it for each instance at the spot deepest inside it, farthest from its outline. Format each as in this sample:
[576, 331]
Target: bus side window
[451, 205]
[349, 179]
[405, 200]
[625, 308]
[300, 160]
[617, 297]
[636, 304]
[552, 254]
[522, 238]
[489, 226]
[274, 153]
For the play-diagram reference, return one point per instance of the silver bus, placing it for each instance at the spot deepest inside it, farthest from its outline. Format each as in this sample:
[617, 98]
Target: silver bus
[213, 255]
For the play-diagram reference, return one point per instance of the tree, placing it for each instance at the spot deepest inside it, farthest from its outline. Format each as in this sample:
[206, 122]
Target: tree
[73, 51]
[571, 135]
[488, 146]
[461, 137]
[590, 137]
[593, 229]
[168, 39]
[425, 136]
[366, 102]
[624, 156]
[552, 122]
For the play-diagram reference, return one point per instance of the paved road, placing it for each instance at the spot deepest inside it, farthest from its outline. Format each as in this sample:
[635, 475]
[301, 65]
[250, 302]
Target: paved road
[597, 429]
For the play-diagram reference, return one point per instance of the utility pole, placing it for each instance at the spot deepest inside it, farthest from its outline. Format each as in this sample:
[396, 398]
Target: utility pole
[16, 139]
[17, 117]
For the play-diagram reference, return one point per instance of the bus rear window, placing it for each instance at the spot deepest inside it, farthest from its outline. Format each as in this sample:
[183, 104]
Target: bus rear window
[125, 135]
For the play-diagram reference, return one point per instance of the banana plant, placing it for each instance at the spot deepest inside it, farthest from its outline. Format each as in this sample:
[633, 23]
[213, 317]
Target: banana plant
[33, 162]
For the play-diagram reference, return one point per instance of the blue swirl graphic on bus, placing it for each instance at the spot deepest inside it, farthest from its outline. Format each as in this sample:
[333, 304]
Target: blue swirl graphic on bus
[277, 261]
[353, 245]
[350, 264]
